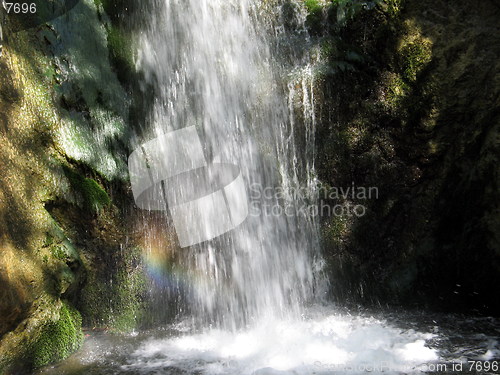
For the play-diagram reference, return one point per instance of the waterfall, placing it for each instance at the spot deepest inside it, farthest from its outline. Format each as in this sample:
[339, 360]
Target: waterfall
[232, 91]
[216, 65]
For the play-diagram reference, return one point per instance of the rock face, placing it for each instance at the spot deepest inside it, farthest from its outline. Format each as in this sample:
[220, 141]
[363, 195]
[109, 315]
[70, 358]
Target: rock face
[409, 105]
[63, 235]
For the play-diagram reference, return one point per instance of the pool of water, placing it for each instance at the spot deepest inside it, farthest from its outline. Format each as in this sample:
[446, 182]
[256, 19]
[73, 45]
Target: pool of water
[324, 341]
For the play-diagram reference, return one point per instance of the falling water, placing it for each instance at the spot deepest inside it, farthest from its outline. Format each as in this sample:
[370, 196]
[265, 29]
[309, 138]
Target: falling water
[214, 67]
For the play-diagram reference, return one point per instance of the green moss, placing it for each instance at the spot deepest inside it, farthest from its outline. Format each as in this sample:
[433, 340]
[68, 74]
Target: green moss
[129, 315]
[393, 7]
[118, 37]
[396, 90]
[121, 51]
[49, 240]
[315, 17]
[313, 6]
[94, 196]
[58, 252]
[113, 298]
[58, 339]
[414, 57]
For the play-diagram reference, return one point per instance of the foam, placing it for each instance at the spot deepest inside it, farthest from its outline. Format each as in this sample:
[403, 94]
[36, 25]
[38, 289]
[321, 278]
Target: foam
[332, 344]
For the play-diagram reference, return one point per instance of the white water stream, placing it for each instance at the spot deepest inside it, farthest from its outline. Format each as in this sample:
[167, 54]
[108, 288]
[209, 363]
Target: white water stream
[213, 66]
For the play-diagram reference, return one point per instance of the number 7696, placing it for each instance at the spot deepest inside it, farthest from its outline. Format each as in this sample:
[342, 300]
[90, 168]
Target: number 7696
[20, 8]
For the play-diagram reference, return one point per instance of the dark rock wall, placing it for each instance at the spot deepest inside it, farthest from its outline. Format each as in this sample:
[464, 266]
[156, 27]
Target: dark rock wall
[410, 105]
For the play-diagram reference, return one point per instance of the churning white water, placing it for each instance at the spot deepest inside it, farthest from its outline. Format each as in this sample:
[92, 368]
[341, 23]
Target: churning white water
[331, 344]
[321, 343]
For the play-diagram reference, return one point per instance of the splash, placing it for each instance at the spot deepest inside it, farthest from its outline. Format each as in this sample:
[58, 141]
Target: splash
[327, 344]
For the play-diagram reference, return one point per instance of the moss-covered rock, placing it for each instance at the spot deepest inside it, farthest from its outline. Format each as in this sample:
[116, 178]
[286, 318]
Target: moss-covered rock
[96, 133]
[92, 195]
[113, 297]
[63, 115]
[315, 15]
[58, 339]
[414, 117]
[414, 56]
